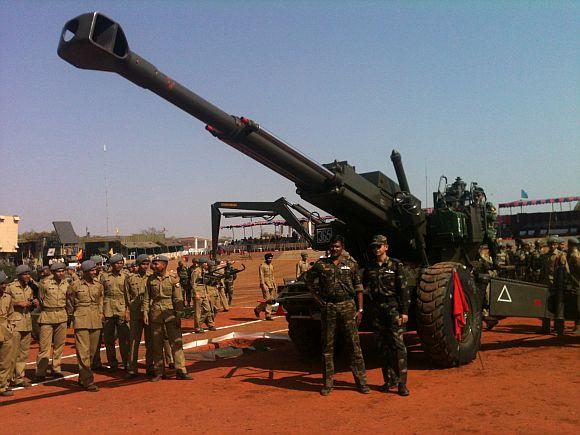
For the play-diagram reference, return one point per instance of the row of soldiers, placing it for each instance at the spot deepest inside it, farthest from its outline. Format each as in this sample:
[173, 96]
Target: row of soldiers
[116, 304]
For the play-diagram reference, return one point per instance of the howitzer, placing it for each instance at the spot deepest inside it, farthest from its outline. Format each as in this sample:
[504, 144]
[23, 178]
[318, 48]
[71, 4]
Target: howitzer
[438, 247]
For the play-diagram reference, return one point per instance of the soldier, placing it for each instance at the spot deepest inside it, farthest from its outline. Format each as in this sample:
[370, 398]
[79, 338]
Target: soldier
[203, 305]
[71, 275]
[135, 286]
[574, 267]
[302, 266]
[85, 305]
[162, 306]
[554, 269]
[522, 261]
[536, 260]
[6, 338]
[183, 274]
[211, 284]
[385, 281]
[44, 273]
[268, 287]
[97, 365]
[116, 312]
[24, 302]
[230, 275]
[339, 283]
[52, 320]
[218, 271]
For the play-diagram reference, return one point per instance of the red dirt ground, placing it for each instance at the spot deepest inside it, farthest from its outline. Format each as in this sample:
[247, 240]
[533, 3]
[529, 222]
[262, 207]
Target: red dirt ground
[521, 382]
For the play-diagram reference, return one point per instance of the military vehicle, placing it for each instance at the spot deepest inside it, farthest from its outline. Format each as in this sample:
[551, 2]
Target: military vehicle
[440, 248]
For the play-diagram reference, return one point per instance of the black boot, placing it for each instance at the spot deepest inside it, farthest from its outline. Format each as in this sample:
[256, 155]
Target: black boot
[403, 390]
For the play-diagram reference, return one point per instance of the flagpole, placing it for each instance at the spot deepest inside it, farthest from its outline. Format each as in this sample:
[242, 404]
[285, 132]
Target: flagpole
[106, 186]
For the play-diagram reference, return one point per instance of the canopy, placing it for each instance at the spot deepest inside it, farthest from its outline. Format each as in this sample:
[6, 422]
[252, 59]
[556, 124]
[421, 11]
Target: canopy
[525, 203]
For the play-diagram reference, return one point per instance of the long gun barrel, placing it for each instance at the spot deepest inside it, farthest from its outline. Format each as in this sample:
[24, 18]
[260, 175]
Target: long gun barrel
[94, 41]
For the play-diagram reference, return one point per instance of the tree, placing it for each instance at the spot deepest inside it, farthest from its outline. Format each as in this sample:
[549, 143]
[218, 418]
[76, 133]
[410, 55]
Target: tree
[152, 231]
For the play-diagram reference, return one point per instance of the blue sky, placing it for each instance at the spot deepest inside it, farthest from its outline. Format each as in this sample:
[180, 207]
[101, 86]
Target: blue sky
[488, 91]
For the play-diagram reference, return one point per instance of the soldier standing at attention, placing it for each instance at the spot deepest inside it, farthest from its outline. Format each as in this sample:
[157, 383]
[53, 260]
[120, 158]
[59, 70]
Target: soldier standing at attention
[52, 320]
[135, 285]
[385, 280]
[24, 303]
[116, 312]
[6, 338]
[85, 305]
[183, 274]
[97, 365]
[302, 266]
[162, 305]
[268, 287]
[218, 272]
[339, 283]
[203, 305]
[574, 266]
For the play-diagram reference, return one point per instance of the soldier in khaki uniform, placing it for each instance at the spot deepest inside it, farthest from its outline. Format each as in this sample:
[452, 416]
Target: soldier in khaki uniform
[52, 320]
[268, 287]
[135, 286]
[24, 303]
[574, 277]
[85, 305]
[302, 266]
[6, 338]
[203, 304]
[116, 313]
[97, 365]
[218, 271]
[554, 266]
[162, 305]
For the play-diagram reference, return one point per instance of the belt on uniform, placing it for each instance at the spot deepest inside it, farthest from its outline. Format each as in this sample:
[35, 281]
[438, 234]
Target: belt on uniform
[51, 309]
[337, 299]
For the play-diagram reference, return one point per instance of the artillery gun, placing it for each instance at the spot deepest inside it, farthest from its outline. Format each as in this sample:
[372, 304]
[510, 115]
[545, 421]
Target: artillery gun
[436, 247]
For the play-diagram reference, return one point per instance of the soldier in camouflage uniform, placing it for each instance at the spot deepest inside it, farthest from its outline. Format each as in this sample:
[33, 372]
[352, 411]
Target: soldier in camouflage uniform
[574, 277]
[385, 281]
[339, 283]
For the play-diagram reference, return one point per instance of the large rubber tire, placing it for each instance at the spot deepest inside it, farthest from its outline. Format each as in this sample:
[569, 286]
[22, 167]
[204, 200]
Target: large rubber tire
[305, 334]
[435, 316]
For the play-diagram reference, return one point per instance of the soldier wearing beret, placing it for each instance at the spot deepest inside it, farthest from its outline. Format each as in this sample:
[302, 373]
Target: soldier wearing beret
[24, 302]
[162, 306]
[384, 279]
[116, 312]
[230, 275]
[135, 286]
[268, 286]
[85, 305]
[204, 311]
[52, 320]
[184, 276]
[97, 364]
[6, 338]
[339, 285]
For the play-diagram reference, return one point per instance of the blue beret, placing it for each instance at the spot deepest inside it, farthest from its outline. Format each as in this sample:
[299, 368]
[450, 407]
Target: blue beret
[116, 258]
[57, 265]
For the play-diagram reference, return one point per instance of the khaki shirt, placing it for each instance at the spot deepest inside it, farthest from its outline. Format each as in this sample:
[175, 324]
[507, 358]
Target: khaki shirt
[6, 311]
[21, 315]
[135, 285]
[162, 298]
[53, 301]
[267, 279]
[301, 267]
[574, 264]
[85, 303]
[552, 261]
[197, 283]
[114, 291]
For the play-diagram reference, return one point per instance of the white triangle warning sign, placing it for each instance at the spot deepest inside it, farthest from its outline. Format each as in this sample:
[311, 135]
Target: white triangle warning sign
[504, 295]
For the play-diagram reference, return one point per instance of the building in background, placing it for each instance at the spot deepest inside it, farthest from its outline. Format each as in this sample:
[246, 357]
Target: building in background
[9, 235]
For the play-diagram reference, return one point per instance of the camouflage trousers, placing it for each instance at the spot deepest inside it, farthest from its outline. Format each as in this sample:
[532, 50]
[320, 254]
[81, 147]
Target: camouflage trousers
[390, 344]
[339, 317]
